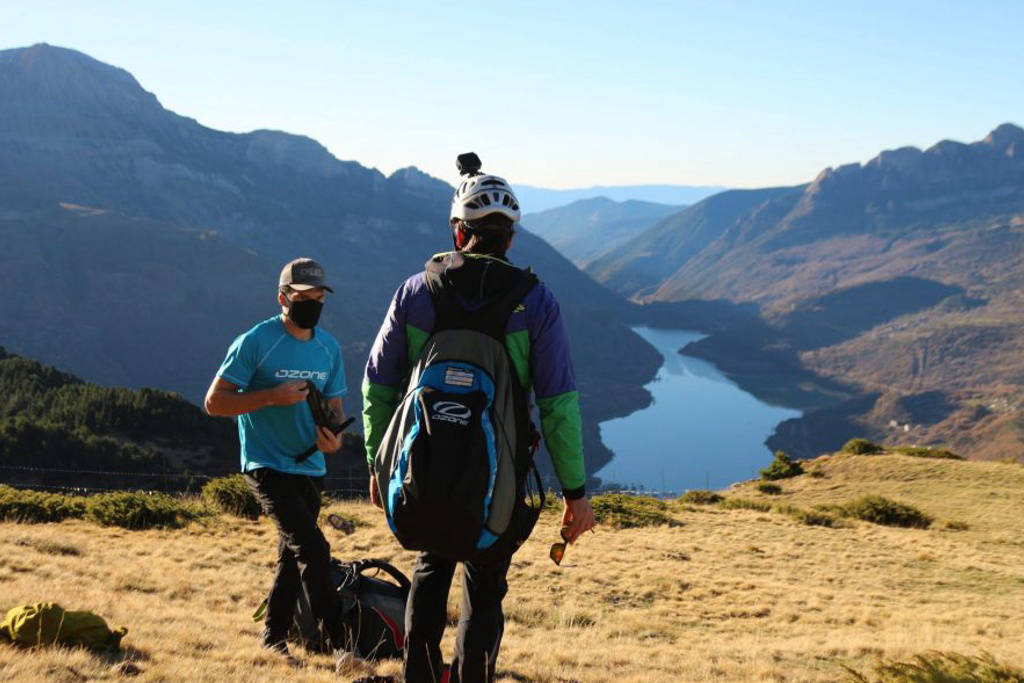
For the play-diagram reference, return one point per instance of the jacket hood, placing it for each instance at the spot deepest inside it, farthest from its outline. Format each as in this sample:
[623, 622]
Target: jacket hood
[474, 277]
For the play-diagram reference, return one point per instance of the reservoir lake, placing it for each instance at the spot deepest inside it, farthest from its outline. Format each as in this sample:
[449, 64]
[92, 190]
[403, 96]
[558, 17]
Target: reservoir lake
[701, 431]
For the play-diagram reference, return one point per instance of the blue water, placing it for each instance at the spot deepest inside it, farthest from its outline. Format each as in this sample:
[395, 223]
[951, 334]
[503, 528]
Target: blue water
[702, 431]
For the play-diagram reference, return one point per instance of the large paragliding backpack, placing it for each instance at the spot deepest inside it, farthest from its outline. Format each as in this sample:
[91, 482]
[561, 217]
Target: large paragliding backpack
[372, 608]
[455, 467]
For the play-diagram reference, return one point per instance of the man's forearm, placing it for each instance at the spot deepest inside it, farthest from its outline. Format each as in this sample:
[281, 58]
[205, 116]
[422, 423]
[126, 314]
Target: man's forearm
[224, 403]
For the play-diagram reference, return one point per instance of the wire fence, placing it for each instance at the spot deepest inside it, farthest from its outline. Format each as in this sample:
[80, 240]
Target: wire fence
[334, 485]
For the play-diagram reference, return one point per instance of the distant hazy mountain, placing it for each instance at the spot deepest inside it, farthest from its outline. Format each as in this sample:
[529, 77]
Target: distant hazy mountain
[136, 243]
[589, 227]
[904, 276]
[652, 256]
[536, 199]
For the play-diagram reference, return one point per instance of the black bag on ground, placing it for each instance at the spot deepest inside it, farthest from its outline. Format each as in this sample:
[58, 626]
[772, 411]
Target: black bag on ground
[373, 610]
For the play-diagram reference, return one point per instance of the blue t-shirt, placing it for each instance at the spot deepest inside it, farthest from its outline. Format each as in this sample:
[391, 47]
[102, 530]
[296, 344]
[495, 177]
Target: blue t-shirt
[264, 357]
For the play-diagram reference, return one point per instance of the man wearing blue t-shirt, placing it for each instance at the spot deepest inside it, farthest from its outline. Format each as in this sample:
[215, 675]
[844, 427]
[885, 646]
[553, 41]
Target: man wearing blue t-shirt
[262, 382]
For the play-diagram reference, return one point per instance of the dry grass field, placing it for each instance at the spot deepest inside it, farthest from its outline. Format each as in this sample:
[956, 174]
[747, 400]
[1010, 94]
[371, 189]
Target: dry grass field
[719, 595]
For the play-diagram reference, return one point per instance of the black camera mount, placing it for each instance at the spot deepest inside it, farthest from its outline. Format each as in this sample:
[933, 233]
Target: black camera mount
[468, 164]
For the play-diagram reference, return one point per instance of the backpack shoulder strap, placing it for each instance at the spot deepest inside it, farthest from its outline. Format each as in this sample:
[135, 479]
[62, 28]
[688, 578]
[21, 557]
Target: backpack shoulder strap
[362, 566]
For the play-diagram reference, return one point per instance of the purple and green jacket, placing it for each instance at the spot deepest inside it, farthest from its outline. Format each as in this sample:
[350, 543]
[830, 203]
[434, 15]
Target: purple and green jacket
[537, 343]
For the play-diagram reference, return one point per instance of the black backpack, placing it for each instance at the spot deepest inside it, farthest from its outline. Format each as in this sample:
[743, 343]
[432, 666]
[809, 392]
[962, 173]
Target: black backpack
[454, 467]
[373, 610]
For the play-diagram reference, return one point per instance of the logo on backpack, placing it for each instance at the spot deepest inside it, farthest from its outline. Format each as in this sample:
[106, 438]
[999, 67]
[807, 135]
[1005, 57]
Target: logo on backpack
[451, 411]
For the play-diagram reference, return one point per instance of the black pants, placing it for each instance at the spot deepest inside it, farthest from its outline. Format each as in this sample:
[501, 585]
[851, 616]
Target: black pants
[303, 554]
[481, 621]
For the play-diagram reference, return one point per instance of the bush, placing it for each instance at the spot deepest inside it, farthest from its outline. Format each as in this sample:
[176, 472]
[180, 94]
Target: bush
[878, 510]
[552, 501]
[36, 507]
[231, 495]
[623, 511]
[918, 452]
[819, 515]
[700, 497]
[940, 667]
[861, 447]
[815, 517]
[781, 468]
[137, 510]
[745, 504]
[769, 489]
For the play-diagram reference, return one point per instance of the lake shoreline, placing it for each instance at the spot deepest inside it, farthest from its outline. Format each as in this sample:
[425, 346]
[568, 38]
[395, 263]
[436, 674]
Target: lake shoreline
[701, 427]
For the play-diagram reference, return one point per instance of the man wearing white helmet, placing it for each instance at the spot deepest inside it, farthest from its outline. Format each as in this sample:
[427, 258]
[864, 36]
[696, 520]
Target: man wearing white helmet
[483, 216]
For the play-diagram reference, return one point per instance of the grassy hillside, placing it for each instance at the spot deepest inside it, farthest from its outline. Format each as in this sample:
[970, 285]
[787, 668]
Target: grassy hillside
[721, 592]
[57, 431]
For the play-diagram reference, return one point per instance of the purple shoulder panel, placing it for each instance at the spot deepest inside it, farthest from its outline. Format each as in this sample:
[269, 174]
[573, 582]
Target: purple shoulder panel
[386, 364]
[550, 358]
[419, 307]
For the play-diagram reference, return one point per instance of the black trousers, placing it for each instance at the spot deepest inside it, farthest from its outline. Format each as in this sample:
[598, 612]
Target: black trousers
[481, 621]
[303, 554]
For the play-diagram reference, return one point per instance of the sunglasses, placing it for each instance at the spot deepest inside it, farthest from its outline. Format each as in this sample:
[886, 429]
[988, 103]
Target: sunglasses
[557, 551]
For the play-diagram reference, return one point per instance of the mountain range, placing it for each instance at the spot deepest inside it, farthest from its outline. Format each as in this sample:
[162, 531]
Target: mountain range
[889, 295]
[137, 243]
[587, 228]
[883, 299]
[537, 199]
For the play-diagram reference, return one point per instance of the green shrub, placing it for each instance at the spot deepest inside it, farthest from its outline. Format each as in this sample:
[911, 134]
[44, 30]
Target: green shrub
[769, 488]
[819, 515]
[919, 452]
[37, 507]
[138, 510]
[816, 517]
[552, 501]
[940, 667]
[700, 497]
[781, 468]
[231, 495]
[861, 447]
[623, 511]
[879, 510]
[745, 504]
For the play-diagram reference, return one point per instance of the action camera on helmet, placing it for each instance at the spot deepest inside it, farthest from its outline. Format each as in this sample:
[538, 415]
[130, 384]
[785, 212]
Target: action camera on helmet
[468, 163]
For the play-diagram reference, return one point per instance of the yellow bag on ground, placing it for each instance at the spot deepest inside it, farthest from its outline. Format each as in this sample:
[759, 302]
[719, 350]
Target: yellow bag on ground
[47, 623]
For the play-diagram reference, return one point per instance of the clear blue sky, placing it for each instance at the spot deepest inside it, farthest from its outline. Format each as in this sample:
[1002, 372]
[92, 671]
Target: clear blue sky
[568, 94]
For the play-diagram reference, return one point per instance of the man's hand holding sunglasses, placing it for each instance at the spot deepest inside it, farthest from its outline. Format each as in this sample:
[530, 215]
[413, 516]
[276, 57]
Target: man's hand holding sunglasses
[577, 518]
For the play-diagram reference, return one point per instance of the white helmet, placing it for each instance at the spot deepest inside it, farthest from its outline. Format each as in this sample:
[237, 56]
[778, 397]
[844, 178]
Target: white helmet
[479, 195]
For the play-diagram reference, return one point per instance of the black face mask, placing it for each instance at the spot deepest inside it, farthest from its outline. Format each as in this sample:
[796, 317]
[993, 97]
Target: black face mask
[305, 313]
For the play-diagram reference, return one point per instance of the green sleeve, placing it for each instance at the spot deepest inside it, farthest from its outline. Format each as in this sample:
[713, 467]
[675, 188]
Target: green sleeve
[379, 404]
[563, 433]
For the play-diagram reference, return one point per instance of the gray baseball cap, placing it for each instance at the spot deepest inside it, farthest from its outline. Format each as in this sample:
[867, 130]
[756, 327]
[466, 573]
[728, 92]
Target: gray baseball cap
[301, 274]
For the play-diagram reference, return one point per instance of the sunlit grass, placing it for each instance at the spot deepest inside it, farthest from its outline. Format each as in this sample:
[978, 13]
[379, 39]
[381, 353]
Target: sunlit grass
[720, 594]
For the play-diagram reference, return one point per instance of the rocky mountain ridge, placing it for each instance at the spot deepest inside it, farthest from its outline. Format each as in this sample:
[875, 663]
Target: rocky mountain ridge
[937, 233]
